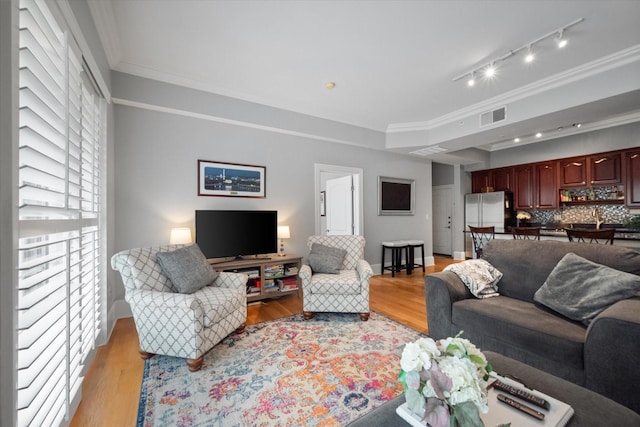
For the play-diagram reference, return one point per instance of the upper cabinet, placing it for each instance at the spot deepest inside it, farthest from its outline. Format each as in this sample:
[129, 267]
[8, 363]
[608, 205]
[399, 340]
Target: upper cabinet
[536, 186]
[604, 169]
[500, 179]
[573, 172]
[632, 172]
[480, 181]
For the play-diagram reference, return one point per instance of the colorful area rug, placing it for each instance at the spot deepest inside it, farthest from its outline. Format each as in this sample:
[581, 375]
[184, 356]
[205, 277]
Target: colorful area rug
[327, 371]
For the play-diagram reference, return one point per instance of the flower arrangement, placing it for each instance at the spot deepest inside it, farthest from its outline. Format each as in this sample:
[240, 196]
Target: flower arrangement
[445, 381]
[523, 215]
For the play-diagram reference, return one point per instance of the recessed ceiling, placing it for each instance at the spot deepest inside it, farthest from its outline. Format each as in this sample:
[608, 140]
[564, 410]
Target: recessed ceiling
[393, 62]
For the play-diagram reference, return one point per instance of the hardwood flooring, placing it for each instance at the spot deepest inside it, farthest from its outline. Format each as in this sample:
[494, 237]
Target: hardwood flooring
[111, 387]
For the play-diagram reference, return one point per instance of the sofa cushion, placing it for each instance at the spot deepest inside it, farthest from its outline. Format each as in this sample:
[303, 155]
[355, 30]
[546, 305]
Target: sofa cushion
[187, 268]
[580, 289]
[346, 282]
[478, 275]
[524, 325]
[526, 264]
[326, 259]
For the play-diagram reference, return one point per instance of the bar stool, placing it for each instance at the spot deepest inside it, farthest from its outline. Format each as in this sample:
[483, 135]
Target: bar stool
[413, 244]
[397, 247]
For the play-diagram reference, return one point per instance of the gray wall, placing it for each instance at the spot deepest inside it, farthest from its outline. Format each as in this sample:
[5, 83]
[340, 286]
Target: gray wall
[615, 138]
[156, 156]
[442, 174]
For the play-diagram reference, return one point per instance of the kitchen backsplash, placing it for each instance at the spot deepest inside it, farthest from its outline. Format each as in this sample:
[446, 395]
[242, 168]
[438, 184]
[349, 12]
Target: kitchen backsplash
[611, 214]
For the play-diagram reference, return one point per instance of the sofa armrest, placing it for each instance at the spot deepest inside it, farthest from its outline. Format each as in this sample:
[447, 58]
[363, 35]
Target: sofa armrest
[305, 275]
[364, 272]
[442, 289]
[230, 280]
[611, 356]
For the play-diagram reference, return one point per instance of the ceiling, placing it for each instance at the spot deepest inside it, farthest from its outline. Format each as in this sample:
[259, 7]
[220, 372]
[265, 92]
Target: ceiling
[394, 62]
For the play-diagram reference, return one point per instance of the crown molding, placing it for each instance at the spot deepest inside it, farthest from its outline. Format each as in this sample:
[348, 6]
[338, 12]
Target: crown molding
[589, 69]
[104, 18]
[242, 123]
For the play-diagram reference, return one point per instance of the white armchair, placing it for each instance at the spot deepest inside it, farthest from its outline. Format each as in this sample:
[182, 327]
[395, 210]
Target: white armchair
[175, 324]
[345, 292]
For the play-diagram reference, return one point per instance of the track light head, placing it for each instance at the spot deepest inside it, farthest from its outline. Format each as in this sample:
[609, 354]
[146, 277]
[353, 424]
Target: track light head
[472, 79]
[490, 71]
[530, 55]
[561, 41]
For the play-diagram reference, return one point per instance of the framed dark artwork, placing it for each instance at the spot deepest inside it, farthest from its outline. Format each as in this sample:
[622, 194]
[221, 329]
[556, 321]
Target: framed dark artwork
[323, 203]
[396, 196]
[231, 179]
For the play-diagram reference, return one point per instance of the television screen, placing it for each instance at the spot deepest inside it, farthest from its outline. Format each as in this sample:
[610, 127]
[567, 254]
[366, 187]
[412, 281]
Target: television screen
[221, 233]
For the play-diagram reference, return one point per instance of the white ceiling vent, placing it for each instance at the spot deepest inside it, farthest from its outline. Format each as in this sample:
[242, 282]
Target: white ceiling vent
[490, 117]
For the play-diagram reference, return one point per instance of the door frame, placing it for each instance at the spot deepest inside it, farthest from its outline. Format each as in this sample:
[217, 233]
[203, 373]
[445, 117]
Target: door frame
[358, 199]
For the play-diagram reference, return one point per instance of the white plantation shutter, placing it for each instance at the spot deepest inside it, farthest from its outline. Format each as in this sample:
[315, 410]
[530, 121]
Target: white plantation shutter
[61, 276]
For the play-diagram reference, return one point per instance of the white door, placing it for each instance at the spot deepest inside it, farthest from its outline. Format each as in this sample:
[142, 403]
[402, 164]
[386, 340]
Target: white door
[339, 209]
[442, 211]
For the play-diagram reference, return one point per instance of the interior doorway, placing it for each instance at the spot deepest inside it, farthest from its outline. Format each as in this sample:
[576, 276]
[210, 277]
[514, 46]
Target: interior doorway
[442, 219]
[340, 189]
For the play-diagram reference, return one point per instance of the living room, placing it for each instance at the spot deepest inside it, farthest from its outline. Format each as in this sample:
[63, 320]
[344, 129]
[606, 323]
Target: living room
[158, 130]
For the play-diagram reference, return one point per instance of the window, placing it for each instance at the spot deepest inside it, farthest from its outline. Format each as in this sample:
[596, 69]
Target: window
[61, 248]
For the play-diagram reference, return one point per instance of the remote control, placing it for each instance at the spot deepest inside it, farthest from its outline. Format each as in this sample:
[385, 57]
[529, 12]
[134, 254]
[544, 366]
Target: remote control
[524, 395]
[524, 408]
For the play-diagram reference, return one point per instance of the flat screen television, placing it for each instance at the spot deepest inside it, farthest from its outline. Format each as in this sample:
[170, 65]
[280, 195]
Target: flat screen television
[230, 233]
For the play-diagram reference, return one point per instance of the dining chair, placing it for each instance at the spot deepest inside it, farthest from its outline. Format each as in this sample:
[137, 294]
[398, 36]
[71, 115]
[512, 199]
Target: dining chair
[591, 236]
[528, 233]
[480, 236]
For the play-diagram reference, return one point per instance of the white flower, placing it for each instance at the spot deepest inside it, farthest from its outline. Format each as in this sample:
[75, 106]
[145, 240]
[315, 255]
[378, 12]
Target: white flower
[411, 360]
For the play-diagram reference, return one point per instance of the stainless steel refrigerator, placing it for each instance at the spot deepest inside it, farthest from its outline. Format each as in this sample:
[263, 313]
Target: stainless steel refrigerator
[486, 210]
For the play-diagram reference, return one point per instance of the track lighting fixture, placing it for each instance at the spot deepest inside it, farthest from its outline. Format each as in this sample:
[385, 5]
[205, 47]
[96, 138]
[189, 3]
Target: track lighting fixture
[472, 79]
[530, 56]
[560, 40]
[489, 68]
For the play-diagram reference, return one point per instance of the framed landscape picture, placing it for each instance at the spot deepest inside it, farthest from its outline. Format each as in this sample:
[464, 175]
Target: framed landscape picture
[396, 196]
[230, 179]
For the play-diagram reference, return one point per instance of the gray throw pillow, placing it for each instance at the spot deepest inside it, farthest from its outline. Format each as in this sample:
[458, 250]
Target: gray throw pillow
[326, 259]
[187, 268]
[580, 289]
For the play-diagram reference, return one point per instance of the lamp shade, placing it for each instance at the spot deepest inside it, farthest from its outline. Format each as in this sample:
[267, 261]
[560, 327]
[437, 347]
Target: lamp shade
[283, 232]
[180, 236]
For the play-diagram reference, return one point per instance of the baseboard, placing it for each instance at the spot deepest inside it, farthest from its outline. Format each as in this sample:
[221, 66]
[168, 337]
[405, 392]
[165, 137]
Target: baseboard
[459, 255]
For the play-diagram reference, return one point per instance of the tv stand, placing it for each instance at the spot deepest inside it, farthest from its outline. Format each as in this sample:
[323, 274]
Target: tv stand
[245, 258]
[268, 277]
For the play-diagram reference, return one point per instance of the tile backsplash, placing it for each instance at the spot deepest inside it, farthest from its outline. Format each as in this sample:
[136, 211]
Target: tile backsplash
[611, 214]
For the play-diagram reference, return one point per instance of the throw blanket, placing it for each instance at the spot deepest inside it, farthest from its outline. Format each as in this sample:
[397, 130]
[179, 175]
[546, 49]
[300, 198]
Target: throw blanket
[479, 276]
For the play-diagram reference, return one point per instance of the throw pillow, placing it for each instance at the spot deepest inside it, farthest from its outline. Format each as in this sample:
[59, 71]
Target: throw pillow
[326, 259]
[580, 289]
[478, 275]
[187, 268]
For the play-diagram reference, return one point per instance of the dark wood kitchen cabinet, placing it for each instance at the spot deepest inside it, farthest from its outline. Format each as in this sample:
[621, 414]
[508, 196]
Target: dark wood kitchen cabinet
[573, 172]
[480, 181]
[604, 169]
[536, 186]
[632, 182]
[502, 179]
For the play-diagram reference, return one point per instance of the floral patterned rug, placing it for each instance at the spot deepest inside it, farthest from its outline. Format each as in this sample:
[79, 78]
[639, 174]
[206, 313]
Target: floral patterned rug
[327, 371]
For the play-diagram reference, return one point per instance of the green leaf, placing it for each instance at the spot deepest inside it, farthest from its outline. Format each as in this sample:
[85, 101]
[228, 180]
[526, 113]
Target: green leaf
[465, 414]
[402, 378]
[476, 359]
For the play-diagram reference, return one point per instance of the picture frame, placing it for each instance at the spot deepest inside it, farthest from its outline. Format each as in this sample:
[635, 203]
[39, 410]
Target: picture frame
[396, 196]
[231, 179]
[323, 203]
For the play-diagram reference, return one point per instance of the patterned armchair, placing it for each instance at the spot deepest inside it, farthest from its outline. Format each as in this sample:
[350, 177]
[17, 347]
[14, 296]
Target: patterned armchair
[346, 292]
[175, 324]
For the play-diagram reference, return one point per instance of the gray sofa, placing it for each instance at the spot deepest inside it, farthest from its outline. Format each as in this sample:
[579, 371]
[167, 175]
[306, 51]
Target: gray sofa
[604, 357]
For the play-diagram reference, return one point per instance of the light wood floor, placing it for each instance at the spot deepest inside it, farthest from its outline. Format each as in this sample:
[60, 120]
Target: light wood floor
[111, 388]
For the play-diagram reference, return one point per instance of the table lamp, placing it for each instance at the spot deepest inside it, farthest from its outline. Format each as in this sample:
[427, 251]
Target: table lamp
[180, 236]
[283, 233]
